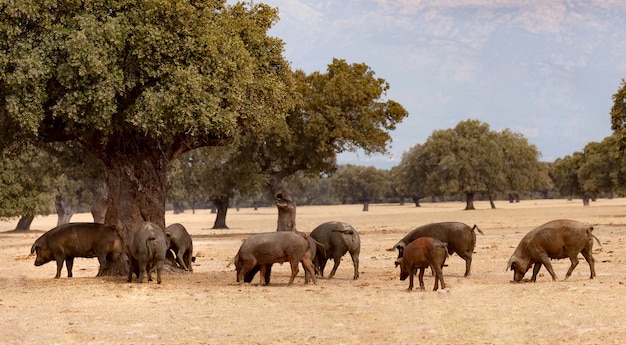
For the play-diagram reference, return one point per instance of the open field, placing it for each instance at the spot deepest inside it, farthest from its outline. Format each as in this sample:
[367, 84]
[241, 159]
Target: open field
[209, 307]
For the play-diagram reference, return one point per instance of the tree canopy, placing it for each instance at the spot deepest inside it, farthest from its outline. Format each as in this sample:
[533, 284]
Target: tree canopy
[138, 83]
[470, 158]
[361, 184]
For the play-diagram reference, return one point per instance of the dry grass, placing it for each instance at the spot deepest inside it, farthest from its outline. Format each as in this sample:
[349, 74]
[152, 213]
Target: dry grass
[208, 307]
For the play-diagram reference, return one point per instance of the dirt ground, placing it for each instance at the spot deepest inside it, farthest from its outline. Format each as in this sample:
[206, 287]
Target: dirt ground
[209, 307]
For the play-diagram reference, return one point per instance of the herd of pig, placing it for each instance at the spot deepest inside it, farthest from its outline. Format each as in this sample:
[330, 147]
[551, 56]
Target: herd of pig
[428, 246]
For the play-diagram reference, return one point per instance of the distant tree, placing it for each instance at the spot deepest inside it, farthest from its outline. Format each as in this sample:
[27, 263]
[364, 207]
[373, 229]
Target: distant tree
[310, 190]
[602, 169]
[618, 115]
[139, 83]
[409, 177]
[564, 173]
[361, 184]
[471, 159]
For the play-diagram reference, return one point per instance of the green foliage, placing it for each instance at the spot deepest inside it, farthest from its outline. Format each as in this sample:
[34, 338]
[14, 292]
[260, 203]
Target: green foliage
[180, 71]
[618, 115]
[26, 188]
[361, 184]
[564, 173]
[340, 110]
[470, 158]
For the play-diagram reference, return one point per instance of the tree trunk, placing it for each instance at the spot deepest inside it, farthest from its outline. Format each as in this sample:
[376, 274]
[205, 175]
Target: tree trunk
[586, 199]
[221, 203]
[178, 207]
[65, 209]
[24, 223]
[136, 189]
[470, 201]
[491, 202]
[416, 200]
[401, 201]
[99, 204]
[366, 206]
[285, 204]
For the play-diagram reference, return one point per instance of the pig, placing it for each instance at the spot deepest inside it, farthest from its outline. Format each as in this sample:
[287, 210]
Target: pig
[557, 239]
[146, 247]
[421, 253]
[265, 249]
[84, 240]
[335, 239]
[313, 244]
[460, 238]
[182, 245]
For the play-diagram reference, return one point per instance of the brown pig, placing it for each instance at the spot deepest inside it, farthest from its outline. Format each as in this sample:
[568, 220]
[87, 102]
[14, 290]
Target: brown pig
[421, 253]
[557, 239]
[274, 247]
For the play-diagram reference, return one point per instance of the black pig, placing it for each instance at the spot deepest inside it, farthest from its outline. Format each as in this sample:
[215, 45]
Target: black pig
[146, 247]
[334, 240]
[83, 240]
[182, 245]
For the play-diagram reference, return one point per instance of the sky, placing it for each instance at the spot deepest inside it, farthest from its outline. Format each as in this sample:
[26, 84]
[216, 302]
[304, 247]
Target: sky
[544, 68]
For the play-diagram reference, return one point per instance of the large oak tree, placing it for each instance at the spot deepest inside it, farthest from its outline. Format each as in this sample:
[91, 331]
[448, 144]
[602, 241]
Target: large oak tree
[470, 159]
[138, 83]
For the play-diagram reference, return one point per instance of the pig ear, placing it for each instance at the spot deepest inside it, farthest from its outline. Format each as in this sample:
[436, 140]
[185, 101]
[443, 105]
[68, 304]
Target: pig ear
[398, 262]
[511, 264]
[34, 248]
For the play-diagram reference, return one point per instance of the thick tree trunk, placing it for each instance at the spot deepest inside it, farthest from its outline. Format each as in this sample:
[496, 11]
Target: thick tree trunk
[221, 203]
[65, 209]
[470, 201]
[136, 190]
[366, 206]
[24, 223]
[491, 202]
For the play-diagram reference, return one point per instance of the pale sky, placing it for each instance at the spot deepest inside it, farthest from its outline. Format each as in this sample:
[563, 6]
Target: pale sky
[546, 69]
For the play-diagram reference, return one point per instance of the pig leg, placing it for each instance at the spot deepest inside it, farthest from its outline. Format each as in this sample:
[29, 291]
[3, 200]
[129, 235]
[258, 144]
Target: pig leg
[309, 270]
[355, 263]
[60, 261]
[131, 269]
[159, 269]
[337, 261]
[187, 260]
[322, 265]
[545, 260]
[69, 264]
[411, 277]
[574, 261]
[590, 260]
[263, 271]
[421, 277]
[438, 277]
[536, 269]
[179, 258]
[294, 271]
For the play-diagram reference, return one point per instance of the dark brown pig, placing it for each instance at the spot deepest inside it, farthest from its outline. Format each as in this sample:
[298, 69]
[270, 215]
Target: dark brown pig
[461, 239]
[557, 239]
[146, 247]
[84, 240]
[334, 240]
[182, 245]
[265, 249]
[421, 253]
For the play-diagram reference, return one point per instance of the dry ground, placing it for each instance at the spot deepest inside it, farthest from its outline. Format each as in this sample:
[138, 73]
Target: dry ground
[209, 307]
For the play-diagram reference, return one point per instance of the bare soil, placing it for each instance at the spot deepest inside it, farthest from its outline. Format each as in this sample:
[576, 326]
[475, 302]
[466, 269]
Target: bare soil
[209, 307]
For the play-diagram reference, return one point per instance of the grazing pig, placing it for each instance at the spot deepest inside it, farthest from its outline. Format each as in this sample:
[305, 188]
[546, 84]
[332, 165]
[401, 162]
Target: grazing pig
[84, 240]
[421, 253]
[460, 238]
[265, 249]
[557, 239]
[146, 247]
[335, 239]
[182, 245]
